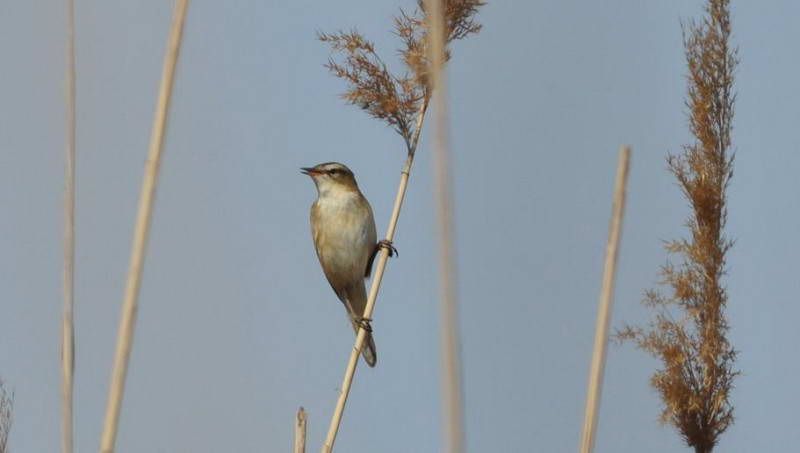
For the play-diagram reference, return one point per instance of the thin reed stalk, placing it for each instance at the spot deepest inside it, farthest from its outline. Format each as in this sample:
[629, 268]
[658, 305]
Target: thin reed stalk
[604, 310]
[141, 231]
[451, 348]
[383, 256]
[67, 323]
[300, 431]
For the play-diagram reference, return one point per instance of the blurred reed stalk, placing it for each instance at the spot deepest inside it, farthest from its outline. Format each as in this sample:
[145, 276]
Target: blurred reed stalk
[451, 348]
[300, 431]
[67, 324]
[130, 306]
[598, 366]
[6, 416]
[383, 256]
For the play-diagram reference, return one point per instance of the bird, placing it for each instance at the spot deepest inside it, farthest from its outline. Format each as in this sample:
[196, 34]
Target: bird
[343, 230]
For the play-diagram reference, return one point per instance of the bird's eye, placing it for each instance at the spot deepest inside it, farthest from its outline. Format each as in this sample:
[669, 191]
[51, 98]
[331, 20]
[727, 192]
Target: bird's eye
[334, 171]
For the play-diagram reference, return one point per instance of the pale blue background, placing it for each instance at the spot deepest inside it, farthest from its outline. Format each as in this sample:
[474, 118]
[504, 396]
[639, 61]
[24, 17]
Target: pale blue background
[237, 326]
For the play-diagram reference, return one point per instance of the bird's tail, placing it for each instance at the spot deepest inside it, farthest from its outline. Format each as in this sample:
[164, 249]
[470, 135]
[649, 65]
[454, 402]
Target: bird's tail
[368, 351]
[356, 303]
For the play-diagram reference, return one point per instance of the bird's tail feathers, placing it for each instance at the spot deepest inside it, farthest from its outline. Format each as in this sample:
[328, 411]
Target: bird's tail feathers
[369, 351]
[356, 302]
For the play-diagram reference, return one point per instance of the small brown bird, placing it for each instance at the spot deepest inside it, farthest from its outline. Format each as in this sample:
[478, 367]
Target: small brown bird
[343, 230]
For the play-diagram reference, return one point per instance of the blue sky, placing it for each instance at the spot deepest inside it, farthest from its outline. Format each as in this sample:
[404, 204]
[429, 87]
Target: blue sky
[237, 326]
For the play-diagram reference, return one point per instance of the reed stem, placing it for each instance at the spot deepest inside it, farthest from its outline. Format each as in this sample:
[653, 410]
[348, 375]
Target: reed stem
[450, 355]
[383, 256]
[604, 310]
[300, 431]
[141, 232]
[68, 326]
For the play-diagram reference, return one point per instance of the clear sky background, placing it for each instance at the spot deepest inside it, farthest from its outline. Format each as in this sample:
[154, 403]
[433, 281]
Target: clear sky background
[237, 325]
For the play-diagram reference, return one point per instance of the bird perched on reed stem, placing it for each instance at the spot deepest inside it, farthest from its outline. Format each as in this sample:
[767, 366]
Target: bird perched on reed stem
[343, 230]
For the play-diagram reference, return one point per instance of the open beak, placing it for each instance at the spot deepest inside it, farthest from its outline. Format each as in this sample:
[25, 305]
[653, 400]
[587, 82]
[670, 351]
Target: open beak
[309, 171]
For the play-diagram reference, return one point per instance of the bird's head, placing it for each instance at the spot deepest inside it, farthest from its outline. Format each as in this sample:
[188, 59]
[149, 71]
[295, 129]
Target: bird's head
[331, 177]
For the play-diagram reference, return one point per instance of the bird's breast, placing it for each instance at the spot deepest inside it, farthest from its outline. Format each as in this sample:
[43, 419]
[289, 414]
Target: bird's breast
[344, 234]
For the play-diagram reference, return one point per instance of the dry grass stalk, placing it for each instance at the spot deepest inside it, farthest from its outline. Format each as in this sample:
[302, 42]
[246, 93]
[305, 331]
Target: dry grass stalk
[598, 366]
[380, 266]
[68, 327]
[300, 431]
[130, 306]
[399, 101]
[6, 416]
[698, 360]
[451, 360]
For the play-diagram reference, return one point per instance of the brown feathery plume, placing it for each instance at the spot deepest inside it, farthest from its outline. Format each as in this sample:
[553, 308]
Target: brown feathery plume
[401, 102]
[396, 99]
[6, 406]
[698, 360]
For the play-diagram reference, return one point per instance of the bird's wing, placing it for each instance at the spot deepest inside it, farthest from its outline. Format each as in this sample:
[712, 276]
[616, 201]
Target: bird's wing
[372, 256]
[372, 238]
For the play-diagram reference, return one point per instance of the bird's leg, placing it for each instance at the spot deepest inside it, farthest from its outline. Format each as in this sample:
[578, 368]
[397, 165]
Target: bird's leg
[364, 323]
[387, 244]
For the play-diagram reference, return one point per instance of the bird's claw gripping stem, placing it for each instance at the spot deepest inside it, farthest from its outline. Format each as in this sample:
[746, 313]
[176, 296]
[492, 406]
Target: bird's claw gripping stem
[364, 323]
[387, 244]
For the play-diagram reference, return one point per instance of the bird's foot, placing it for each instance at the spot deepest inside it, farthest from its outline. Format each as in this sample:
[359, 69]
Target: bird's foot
[364, 323]
[388, 245]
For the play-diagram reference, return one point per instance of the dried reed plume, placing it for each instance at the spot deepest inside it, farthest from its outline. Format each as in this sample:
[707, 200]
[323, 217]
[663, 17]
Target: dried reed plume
[6, 407]
[401, 102]
[141, 231]
[698, 360]
[68, 326]
[396, 99]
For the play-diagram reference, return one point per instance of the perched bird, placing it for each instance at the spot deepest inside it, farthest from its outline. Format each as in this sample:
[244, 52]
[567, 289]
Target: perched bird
[343, 230]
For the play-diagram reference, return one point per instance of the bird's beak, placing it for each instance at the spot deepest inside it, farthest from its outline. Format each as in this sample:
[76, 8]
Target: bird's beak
[309, 171]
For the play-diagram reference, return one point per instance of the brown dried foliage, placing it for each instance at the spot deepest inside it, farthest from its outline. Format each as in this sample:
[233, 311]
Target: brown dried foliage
[6, 406]
[698, 360]
[396, 99]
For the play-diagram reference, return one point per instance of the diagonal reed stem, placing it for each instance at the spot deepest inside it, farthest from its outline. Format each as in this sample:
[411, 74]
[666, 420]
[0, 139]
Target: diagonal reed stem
[451, 360]
[383, 256]
[604, 310]
[68, 326]
[141, 231]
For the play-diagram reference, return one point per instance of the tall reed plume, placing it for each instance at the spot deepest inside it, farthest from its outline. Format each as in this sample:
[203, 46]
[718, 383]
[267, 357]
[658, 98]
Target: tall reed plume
[689, 333]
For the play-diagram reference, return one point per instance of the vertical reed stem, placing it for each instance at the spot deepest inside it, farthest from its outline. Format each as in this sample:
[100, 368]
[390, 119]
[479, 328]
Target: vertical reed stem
[67, 324]
[604, 309]
[451, 360]
[383, 256]
[300, 432]
[130, 306]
